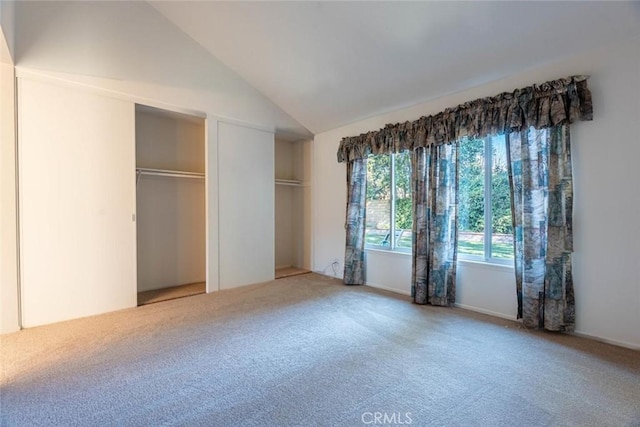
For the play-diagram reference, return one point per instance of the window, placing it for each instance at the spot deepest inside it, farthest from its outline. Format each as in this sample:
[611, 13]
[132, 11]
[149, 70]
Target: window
[484, 219]
[389, 208]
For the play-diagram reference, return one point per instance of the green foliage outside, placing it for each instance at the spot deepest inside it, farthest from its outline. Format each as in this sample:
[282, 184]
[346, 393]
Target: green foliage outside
[379, 177]
[471, 157]
[471, 188]
[498, 250]
[404, 213]
[379, 185]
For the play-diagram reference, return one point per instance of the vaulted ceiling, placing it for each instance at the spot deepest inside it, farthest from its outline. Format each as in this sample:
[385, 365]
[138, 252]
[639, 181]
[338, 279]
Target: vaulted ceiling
[331, 63]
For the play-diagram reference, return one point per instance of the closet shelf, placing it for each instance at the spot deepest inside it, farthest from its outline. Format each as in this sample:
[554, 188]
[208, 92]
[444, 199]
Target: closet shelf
[290, 182]
[169, 172]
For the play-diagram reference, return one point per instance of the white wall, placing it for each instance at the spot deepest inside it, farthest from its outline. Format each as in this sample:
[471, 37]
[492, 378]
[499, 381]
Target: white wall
[606, 199]
[77, 199]
[246, 205]
[129, 47]
[9, 316]
[170, 212]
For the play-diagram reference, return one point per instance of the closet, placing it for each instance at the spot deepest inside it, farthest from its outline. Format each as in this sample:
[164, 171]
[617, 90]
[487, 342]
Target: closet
[170, 204]
[292, 207]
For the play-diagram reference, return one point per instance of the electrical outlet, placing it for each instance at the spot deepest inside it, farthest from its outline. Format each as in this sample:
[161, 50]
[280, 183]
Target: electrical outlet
[335, 267]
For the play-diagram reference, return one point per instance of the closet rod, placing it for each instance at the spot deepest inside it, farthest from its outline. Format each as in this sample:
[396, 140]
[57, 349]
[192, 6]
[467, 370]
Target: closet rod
[171, 173]
[167, 172]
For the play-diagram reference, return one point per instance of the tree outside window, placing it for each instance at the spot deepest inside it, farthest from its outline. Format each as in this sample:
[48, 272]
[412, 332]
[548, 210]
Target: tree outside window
[484, 220]
[485, 230]
[389, 206]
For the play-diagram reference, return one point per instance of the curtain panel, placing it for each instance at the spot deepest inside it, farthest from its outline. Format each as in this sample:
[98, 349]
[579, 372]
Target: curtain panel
[542, 106]
[435, 227]
[354, 268]
[541, 182]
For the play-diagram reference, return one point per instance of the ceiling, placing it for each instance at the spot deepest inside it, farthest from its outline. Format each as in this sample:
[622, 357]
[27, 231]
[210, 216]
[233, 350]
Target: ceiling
[328, 64]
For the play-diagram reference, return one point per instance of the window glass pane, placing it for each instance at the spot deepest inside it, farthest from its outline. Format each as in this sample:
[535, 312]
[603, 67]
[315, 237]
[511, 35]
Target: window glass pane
[378, 201]
[501, 222]
[471, 197]
[403, 207]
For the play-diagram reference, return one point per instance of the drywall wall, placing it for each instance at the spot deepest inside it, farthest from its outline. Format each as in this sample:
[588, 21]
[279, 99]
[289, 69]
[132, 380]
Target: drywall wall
[170, 211]
[77, 199]
[129, 47]
[9, 316]
[246, 172]
[606, 201]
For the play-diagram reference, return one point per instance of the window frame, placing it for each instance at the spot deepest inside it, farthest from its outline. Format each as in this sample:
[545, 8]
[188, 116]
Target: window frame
[392, 247]
[487, 257]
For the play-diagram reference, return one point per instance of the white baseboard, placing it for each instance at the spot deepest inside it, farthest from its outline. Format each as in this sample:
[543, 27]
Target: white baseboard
[324, 273]
[624, 344]
[632, 346]
[387, 288]
[483, 311]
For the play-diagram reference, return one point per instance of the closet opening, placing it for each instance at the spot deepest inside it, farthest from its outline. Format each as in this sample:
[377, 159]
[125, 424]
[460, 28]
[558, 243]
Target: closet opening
[292, 208]
[170, 205]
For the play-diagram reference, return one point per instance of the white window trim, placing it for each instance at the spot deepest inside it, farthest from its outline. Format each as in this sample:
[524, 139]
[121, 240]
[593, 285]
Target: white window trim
[486, 265]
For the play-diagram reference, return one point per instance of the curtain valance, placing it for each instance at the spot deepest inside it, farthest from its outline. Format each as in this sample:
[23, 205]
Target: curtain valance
[541, 106]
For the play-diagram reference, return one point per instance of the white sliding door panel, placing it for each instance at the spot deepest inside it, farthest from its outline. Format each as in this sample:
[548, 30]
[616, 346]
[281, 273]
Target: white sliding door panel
[77, 197]
[246, 205]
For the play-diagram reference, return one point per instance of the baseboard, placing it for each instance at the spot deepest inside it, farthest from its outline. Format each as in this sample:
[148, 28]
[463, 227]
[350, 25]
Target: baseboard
[324, 273]
[387, 288]
[483, 311]
[632, 346]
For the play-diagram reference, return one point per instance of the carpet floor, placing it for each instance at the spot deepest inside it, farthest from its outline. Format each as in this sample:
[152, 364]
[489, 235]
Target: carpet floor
[309, 351]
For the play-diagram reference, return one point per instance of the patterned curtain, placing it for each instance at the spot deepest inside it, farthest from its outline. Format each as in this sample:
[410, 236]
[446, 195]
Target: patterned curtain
[435, 224]
[536, 119]
[354, 268]
[542, 196]
[549, 104]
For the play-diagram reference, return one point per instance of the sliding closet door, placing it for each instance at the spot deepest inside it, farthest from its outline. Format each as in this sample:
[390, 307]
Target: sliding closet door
[246, 205]
[76, 160]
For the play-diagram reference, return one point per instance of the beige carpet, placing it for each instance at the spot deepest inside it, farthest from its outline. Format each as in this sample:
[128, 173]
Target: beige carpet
[309, 351]
[173, 292]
